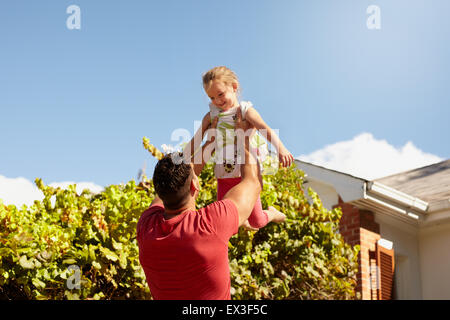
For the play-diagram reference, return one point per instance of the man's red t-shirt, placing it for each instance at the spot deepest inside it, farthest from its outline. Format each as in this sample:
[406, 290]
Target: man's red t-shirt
[186, 257]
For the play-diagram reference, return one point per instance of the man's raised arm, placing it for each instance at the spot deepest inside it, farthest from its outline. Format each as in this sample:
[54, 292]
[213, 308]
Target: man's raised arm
[245, 194]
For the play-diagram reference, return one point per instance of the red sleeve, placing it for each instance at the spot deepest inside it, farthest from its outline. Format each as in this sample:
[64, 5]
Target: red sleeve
[224, 218]
[141, 225]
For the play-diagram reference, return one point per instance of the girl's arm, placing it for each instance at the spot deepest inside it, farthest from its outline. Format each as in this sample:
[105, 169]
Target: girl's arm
[284, 156]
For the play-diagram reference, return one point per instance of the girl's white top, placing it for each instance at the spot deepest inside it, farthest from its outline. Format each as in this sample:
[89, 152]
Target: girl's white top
[227, 156]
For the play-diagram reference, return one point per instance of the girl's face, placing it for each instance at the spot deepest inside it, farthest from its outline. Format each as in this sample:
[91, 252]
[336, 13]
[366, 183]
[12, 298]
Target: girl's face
[223, 96]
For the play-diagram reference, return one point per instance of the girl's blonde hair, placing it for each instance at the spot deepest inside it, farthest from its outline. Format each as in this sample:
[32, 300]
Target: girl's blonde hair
[221, 73]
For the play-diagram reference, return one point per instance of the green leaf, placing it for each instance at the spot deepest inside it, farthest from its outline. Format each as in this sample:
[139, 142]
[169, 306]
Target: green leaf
[25, 263]
[108, 254]
[71, 295]
[123, 260]
[96, 265]
[38, 283]
[117, 245]
[92, 254]
[69, 261]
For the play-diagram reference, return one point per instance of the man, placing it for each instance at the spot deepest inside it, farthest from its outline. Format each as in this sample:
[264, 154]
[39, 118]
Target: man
[184, 251]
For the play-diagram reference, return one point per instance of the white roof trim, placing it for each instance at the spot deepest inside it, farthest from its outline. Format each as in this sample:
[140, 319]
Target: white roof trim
[358, 190]
[348, 187]
[397, 196]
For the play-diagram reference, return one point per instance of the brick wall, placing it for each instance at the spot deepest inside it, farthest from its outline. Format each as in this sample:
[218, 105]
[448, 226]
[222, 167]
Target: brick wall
[358, 227]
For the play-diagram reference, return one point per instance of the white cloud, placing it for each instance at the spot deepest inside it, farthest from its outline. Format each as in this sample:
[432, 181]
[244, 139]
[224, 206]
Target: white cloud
[369, 158]
[80, 186]
[19, 191]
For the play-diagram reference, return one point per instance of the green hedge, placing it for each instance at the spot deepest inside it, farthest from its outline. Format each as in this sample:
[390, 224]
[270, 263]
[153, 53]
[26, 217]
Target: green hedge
[97, 233]
[45, 246]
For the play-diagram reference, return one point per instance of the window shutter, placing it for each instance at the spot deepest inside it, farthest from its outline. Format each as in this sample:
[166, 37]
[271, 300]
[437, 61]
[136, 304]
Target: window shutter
[385, 272]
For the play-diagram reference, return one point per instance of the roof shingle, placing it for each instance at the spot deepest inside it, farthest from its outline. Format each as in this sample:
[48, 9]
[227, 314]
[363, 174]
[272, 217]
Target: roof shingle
[430, 183]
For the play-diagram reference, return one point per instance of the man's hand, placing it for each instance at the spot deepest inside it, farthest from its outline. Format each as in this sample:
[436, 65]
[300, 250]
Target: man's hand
[213, 126]
[242, 124]
[206, 150]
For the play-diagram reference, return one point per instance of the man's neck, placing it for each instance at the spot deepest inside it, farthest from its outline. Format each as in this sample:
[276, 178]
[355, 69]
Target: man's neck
[171, 213]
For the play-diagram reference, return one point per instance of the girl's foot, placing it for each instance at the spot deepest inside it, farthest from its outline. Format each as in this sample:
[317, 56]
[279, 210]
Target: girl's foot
[274, 215]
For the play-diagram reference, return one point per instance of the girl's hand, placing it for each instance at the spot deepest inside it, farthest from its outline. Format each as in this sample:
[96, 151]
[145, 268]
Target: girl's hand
[285, 157]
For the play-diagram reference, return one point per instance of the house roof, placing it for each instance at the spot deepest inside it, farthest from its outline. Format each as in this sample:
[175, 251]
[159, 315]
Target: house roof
[348, 187]
[430, 183]
[419, 196]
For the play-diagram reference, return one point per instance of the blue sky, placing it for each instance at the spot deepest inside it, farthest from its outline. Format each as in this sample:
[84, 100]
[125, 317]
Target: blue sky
[75, 104]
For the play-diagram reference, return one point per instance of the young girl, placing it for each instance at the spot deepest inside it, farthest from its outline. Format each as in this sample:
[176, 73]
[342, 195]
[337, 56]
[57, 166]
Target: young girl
[222, 87]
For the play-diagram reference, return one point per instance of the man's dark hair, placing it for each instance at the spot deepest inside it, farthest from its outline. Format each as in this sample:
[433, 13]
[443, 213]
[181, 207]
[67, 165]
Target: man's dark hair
[172, 181]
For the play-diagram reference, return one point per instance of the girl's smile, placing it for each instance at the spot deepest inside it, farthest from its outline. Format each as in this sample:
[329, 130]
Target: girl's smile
[223, 96]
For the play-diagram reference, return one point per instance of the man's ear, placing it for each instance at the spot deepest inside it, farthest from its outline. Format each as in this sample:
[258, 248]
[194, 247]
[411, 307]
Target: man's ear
[195, 185]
